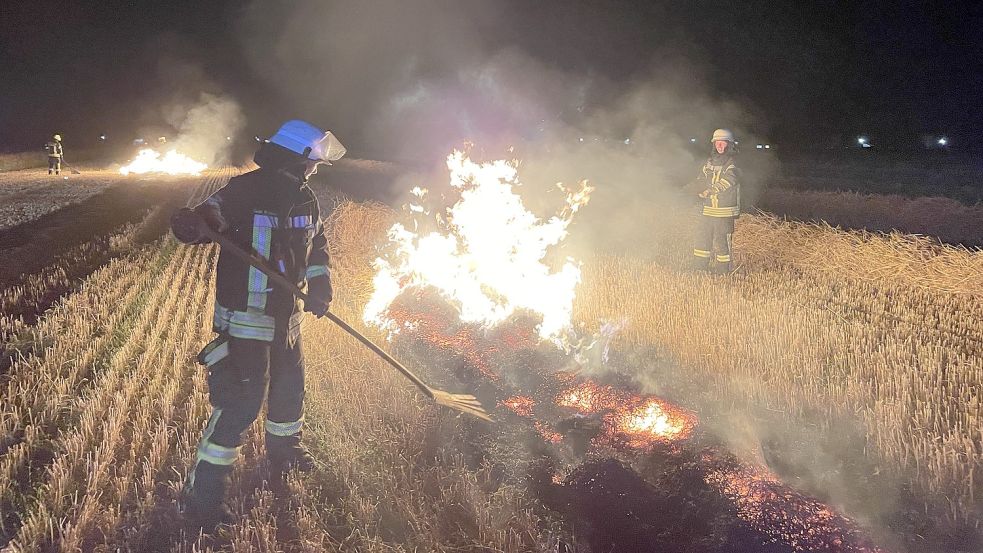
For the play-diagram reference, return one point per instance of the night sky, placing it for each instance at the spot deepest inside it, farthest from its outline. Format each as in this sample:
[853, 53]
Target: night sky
[809, 73]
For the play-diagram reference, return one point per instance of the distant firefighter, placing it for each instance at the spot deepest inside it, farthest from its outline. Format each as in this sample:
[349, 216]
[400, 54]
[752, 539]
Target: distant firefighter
[256, 357]
[720, 189]
[55, 154]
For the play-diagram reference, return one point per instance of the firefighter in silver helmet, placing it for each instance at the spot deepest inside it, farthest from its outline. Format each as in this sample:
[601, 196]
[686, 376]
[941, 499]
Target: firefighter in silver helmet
[720, 191]
[256, 357]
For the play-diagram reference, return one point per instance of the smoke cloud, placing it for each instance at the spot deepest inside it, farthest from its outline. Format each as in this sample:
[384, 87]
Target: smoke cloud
[409, 83]
[185, 104]
[204, 130]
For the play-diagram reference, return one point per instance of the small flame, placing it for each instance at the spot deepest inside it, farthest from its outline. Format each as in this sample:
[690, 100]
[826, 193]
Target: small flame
[486, 256]
[650, 422]
[635, 421]
[172, 163]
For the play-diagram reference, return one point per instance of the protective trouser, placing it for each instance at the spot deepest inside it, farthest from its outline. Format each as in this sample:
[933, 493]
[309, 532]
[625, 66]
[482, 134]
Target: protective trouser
[243, 373]
[54, 165]
[714, 242]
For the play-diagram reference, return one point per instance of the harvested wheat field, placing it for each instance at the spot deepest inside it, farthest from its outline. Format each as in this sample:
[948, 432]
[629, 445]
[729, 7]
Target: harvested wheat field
[824, 397]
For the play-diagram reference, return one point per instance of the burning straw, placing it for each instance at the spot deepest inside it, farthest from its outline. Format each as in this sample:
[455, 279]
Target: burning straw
[487, 254]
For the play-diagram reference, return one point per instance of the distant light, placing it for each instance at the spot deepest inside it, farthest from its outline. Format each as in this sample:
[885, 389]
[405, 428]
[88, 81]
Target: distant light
[759, 146]
[692, 140]
[581, 139]
[861, 140]
[767, 146]
[627, 141]
[228, 138]
[943, 141]
[102, 137]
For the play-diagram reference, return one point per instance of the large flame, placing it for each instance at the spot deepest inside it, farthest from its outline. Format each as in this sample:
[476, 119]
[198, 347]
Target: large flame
[172, 163]
[486, 255]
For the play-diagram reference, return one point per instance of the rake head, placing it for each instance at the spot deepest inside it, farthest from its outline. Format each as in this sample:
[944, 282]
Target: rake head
[461, 402]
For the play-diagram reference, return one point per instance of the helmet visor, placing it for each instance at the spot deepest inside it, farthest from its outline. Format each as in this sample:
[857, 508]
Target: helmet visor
[328, 148]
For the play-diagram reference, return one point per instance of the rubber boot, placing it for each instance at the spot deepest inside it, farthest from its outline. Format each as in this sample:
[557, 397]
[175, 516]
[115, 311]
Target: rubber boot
[722, 267]
[286, 453]
[700, 265]
[204, 497]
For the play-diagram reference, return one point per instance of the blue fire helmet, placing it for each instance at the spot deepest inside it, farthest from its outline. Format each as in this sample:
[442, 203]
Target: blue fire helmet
[308, 141]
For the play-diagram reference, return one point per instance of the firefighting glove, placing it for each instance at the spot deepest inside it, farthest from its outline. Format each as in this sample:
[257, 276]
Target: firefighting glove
[185, 226]
[320, 294]
[213, 217]
[695, 186]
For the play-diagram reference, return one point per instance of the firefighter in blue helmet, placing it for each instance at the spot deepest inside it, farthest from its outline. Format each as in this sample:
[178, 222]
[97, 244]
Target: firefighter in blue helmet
[257, 354]
[720, 191]
[55, 154]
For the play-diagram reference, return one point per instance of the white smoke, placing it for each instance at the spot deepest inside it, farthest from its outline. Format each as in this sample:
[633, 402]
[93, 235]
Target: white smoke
[207, 128]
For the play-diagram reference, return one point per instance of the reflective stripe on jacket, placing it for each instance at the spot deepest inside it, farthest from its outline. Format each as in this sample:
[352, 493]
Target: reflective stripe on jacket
[279, 218]
[723, 190]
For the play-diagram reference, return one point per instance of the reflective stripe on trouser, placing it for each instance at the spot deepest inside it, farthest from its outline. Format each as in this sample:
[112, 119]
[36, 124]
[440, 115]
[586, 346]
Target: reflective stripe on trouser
[212, 454]
[317, 270]
[284, 428]
[714, 239]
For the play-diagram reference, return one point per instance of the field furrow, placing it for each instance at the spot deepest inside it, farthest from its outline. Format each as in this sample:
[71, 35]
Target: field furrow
[71, 422]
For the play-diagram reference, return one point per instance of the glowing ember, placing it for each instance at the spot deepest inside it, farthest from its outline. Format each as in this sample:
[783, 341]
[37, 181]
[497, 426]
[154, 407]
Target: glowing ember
[486, 256]
[172, 163]
[548, 434]
[588, 398]
[438, 332]
[520, 405]
[804, 523]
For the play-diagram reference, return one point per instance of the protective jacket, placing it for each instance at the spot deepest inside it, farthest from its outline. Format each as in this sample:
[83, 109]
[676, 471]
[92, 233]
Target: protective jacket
[54, 149]
[723, 192]
[275, 214]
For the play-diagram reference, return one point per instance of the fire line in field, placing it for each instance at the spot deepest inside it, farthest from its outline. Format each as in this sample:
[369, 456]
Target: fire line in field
[171, 163]
[616, 420]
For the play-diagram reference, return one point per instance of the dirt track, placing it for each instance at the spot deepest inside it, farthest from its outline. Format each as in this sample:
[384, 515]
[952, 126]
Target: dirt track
[29, 194]
[43, 217]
